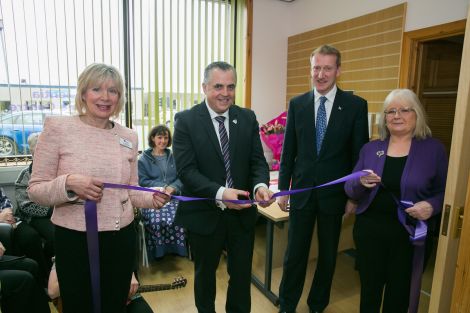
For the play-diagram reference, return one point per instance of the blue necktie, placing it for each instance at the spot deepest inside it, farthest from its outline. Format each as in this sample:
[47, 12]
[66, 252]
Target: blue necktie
[225, 149]
[321, 123]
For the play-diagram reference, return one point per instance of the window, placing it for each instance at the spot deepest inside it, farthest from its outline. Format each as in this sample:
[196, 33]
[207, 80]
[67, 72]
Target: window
[161, 48]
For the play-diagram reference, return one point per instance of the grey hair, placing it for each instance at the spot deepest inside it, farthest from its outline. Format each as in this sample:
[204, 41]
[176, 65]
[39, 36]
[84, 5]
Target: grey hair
[32, 141]
[411, 100]
[221, 65]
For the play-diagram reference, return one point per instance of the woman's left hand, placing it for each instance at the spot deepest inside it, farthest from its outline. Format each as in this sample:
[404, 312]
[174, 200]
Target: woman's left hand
[421, 210]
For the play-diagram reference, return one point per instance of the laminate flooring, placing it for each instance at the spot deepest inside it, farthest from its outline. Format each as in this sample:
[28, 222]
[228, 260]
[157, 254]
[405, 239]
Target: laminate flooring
[344, 294]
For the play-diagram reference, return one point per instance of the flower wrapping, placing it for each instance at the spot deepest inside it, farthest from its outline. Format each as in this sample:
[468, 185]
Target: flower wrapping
[272, 134]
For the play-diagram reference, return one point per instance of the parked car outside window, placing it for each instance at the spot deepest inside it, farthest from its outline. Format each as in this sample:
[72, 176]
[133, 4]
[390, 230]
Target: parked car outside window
[15, 127]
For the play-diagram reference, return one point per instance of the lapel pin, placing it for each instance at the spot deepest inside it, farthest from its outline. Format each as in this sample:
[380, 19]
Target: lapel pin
[380, 153]
[235, 121]
[340, 108]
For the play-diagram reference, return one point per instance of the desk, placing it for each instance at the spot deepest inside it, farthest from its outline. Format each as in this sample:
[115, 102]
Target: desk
[273, 215]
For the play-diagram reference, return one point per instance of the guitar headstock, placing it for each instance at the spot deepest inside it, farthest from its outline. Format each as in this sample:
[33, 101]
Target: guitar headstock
[179, 282]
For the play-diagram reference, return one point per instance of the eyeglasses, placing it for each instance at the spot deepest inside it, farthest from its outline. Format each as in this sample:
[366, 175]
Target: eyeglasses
[325, 69]
[400, 111]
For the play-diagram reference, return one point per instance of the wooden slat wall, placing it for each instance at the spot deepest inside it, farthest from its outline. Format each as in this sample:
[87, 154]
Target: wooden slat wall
[370, 46]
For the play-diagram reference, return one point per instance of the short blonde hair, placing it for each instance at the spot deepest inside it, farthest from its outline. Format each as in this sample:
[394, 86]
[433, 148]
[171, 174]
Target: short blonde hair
[96, 74]
[327, 50]
[411, 100]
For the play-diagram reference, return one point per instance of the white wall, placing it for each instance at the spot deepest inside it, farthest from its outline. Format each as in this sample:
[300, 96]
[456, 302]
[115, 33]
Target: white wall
[274, 21]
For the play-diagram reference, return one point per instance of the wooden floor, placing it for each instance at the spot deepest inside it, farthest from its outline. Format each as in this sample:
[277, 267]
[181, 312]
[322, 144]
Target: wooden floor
[344, 295]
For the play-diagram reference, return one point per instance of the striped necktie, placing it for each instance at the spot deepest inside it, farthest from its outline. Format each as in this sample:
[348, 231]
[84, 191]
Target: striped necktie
[321, 123]
[225, 149]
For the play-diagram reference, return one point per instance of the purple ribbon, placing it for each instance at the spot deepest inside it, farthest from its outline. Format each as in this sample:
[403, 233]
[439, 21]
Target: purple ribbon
[92, 223]
[343, 179]
[91, 220]
[418, 235]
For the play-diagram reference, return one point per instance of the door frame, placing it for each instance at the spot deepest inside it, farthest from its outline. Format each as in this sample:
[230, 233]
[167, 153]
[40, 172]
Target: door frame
[459, 166]
[410, 48]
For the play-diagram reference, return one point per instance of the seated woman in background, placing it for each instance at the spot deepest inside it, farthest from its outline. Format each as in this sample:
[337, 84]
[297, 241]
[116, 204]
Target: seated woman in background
[405, 164]
[157, 169]
[26, 240]
[38, 217]
[21, 290]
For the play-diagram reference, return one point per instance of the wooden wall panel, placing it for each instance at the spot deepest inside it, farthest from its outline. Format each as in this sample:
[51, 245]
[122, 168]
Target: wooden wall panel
[370, 47]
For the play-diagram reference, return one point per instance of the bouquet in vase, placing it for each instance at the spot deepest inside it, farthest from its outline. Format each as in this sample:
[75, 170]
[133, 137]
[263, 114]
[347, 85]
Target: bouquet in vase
[272, 134]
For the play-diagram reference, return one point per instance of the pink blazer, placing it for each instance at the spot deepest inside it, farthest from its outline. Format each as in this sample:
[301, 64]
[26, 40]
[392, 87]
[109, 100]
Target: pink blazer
[69, 146]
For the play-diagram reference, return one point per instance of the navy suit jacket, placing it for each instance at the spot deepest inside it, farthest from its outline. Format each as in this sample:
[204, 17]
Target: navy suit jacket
[346, 133]
[201, 169]
[423, 178]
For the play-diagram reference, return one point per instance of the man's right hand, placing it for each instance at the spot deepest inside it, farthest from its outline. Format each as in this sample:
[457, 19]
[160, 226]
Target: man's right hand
[233, 194]
[282, 201]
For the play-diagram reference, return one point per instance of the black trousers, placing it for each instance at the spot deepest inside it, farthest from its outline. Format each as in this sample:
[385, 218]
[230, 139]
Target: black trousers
[139, 305]
[28, 241]
[117, 261]
[207, 250]
[384, 260]
[45, 229]
[301, 225]
[21, 291]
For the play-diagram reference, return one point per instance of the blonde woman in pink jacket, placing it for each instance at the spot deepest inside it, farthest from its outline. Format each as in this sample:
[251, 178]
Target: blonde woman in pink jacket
[74, 156]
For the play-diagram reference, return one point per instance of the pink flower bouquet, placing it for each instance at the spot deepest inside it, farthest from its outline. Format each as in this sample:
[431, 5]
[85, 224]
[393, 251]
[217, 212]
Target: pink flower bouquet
[272, 134]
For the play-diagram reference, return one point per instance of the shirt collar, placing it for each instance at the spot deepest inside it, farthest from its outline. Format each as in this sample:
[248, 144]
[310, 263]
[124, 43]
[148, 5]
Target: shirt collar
[214, 114]
[330, 96]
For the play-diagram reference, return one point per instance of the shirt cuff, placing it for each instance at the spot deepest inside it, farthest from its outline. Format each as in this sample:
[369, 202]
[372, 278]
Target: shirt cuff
[256, 188]
[219, 195]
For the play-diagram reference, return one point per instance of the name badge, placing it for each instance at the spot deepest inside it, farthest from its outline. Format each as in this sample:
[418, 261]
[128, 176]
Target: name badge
[126, 143]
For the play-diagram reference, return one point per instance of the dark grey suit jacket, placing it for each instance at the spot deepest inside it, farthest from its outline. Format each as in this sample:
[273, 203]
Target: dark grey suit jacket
[346, 133]
[200, 165]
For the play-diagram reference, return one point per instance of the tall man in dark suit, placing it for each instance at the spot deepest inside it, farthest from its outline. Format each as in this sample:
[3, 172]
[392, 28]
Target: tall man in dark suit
[325, 130]
[218, 154]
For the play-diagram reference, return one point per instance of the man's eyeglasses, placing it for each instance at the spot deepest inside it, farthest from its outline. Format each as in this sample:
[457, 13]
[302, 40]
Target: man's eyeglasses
[400, 111]
[325, 69]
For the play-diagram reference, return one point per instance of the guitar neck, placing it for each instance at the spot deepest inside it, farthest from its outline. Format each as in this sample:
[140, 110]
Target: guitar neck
[158, 287]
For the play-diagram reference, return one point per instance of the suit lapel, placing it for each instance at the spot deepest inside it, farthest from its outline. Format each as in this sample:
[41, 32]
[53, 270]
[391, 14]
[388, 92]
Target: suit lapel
[233, 124]
[308, 116]
[206, 122]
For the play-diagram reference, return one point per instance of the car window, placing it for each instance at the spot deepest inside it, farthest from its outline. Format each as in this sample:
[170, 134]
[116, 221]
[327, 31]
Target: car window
[6, 119]
[27, 119]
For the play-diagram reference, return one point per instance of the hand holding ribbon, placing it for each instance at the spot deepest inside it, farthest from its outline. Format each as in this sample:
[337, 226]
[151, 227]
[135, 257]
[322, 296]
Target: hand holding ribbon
[230, 198]
[420, 210]
[370, 180]
[264, 196]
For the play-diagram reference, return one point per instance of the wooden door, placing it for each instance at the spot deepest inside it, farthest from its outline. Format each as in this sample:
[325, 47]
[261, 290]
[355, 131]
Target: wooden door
[459, 159]
[438, 80]
[459, 164]
[460, 298]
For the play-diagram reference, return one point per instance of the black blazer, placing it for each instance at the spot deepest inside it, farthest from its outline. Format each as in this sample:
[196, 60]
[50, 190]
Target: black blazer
[200, 165]
[346, 133]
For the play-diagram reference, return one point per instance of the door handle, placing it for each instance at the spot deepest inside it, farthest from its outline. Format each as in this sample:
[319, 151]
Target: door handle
[459, 222]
